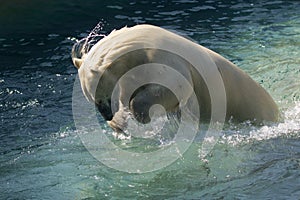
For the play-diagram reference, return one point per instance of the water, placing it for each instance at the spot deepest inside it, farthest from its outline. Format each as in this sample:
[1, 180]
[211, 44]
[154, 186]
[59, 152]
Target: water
[41, 154]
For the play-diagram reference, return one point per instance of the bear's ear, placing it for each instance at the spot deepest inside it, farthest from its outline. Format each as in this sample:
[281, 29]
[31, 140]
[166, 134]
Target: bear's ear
[77, 62]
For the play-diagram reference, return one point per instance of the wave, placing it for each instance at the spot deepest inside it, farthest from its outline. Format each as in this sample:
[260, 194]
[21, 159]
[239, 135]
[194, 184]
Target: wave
[288, 127]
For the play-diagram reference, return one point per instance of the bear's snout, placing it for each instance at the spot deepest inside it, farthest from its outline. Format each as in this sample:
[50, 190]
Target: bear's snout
[105, 110]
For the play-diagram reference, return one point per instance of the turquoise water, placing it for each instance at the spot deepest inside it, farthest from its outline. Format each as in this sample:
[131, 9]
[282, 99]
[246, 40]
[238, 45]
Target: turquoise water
[41, 154]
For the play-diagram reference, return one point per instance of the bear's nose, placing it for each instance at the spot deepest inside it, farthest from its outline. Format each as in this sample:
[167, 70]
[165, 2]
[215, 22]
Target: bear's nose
[105, 111]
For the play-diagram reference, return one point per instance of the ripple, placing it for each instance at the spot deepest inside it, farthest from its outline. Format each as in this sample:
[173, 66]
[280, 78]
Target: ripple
[115, 7]
[198, 8]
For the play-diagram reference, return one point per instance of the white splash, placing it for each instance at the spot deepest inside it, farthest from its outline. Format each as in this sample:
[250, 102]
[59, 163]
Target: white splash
[290, 127]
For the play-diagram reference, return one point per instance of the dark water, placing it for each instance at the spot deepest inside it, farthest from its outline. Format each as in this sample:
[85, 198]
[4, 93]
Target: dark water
[41, 154]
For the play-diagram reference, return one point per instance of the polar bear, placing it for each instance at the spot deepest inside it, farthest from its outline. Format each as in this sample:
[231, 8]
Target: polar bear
[108, 60]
